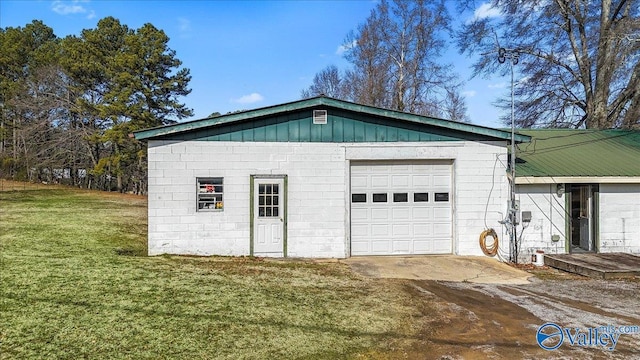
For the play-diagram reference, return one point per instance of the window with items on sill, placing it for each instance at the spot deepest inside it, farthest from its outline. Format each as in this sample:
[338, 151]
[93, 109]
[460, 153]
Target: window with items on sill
[210, 191]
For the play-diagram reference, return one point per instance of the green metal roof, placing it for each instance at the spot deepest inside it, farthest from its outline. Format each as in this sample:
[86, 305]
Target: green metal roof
[347, 122]
[579, 153]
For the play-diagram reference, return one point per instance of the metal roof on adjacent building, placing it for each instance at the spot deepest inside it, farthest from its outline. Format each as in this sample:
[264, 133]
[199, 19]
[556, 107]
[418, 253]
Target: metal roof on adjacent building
[345, 122]
[576, 154]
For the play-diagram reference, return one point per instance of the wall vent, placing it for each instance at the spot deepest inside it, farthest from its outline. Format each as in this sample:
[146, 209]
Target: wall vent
[320, 117]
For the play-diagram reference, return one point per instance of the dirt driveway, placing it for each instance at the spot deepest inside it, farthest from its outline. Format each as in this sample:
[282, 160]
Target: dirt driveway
[488, 321]
[471, 320]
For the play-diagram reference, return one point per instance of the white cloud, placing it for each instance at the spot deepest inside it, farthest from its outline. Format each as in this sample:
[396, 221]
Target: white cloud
[485, 11]
[469, 93]
[345, 47]
[71, 7]
[249, 99]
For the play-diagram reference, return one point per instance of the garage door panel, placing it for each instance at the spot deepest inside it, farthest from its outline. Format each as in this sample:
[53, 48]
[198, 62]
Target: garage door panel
[400, 230]
[442, 229]
[380, 182]
[400, 181]
[401, 214]
[422, 247]
[380, 230]
[379, 214]
[443, 181]
[360, 230]
[359, 247]
[400, 222]
[360, 169]
[381, 246]
[442, 213]
[442, 246]
[420, 181]
[421, 213]
[402, 246]
[379, 168]
[359, 181]
[422, 230]
[359, 214]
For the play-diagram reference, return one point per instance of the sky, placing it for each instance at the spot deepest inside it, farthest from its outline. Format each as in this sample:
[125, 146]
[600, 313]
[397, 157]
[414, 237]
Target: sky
[248, 54]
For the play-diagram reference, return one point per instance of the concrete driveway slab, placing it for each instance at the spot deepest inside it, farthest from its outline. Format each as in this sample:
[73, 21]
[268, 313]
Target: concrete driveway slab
[474, 269]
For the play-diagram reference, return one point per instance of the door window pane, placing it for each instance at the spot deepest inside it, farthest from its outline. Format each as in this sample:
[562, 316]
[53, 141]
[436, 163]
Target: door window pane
[268, 200]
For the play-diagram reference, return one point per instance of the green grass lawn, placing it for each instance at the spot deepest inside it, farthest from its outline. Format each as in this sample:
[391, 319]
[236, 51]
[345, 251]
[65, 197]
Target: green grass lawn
[75, 283]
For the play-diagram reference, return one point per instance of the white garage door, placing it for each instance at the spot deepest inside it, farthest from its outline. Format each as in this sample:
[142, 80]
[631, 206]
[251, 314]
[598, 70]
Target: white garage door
[401, 208]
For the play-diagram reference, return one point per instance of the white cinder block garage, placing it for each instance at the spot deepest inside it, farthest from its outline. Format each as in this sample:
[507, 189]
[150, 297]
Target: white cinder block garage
[324, 178]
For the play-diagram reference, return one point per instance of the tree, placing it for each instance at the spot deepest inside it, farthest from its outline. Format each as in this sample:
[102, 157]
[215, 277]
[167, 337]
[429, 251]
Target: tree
[25, 51]
[579, 60]
[395, 58]
[327, 82]
[68, 105]
[130, 80]
[455, 106]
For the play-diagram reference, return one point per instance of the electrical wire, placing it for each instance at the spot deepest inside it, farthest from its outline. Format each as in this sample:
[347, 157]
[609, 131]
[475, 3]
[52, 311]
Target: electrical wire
[493, 184]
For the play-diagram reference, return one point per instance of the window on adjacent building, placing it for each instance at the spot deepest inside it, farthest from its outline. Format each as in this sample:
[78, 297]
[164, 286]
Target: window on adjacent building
[210, 192]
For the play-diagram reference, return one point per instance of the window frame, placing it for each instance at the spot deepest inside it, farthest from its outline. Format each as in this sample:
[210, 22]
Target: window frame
[209, 190]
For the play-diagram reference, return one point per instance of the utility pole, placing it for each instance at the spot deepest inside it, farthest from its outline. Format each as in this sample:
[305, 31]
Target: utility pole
[513, 56]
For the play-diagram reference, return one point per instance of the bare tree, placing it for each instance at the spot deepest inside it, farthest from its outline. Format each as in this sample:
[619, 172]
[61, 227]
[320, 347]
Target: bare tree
[327, 82]
[396, 61]
[455, 106]
[580, 60]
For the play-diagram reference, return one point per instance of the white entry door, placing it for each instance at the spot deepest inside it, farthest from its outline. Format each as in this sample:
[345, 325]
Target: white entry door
[401, 207]
[268, 217]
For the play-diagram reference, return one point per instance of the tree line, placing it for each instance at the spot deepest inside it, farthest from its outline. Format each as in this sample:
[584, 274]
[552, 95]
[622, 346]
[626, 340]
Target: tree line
[68, 105]
[578, 60]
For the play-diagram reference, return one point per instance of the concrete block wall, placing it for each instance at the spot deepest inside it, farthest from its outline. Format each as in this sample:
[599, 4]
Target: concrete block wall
[620, 218]
[318, 192]
[547, 219]
[482, 192]
[316, 178]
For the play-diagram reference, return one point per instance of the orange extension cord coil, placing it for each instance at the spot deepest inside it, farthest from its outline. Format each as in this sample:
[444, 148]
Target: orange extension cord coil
[492, 250]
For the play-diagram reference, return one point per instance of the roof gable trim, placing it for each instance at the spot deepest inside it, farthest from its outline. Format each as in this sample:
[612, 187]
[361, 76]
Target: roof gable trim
[167, 131]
